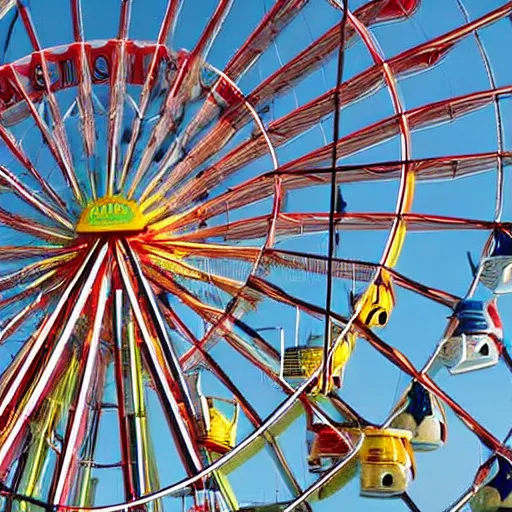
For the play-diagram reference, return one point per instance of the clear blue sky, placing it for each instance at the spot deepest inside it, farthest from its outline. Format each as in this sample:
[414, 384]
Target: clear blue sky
[372, 384]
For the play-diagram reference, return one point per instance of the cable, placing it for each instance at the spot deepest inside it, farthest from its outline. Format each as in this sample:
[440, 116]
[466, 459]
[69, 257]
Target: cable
[336, 129]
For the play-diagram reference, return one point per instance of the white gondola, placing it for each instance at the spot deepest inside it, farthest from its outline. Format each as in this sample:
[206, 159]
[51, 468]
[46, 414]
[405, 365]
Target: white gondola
[496, 495]
[423, 416]
[477, 340]
[495, 271]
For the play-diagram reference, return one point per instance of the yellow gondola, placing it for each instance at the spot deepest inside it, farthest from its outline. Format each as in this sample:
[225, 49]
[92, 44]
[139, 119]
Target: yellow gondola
[377, 302]
[219, 433]
[217, 418]
[387, 462]
[299, 363]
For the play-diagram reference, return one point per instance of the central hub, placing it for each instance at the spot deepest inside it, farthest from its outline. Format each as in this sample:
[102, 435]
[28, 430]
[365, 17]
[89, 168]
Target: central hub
[111, 214]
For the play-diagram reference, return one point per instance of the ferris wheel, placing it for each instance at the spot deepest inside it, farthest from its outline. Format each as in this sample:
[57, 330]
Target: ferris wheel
[253, 255]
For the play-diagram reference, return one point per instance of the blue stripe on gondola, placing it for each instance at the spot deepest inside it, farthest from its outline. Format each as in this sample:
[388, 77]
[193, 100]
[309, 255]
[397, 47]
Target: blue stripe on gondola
[420, 405]
[472, 319]
[502, 244]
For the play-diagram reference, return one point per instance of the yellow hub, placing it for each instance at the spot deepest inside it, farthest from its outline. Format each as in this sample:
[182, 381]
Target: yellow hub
[111, 214]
